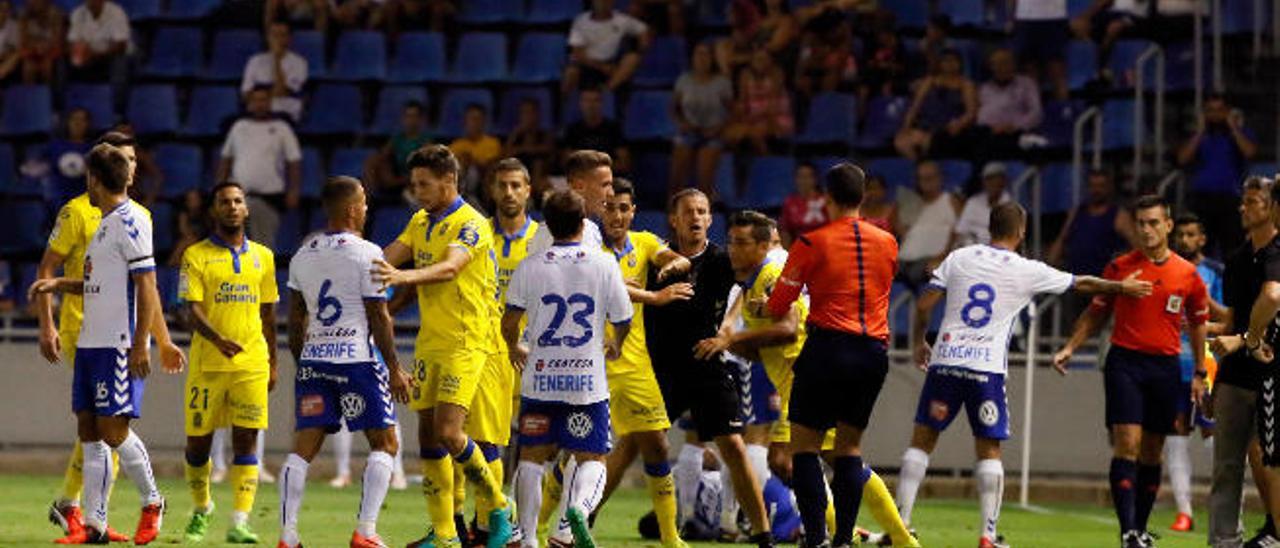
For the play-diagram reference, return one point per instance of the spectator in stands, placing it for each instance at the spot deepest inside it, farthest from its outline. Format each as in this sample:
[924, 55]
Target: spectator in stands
[10, 42]
[773, 29]
[1095, 231]
[877, 208]
[657, 13]
[606, 48]
[65, 156]
[193, 226]
[926, 232]
[974, 225]
[1108, 21]
[359, 14]
[935, 44]
[806, 208]
[943, 111]
[279, 69]
[297, 13]
[148, 180]
[884, 70]
[763, 108]
[1040, 36]
[433, 15]
[476, 149]
[701, 106]
[1008, 108]
[595, 132]
[1217, 156]
[826, 57]
[387, 171]
[534, 146]
[42, 40]
[99, 39]
[262, 154]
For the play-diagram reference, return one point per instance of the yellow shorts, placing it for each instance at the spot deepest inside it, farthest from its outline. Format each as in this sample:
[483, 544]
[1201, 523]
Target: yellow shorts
[214, 400]
[489, 418]
[446, 376]
[635, 402]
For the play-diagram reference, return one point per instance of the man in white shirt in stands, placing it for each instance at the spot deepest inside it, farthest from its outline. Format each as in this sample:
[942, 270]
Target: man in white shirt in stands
[280, 69]
[262, 154]
[99, 40]
[974, 224]
[606, 48]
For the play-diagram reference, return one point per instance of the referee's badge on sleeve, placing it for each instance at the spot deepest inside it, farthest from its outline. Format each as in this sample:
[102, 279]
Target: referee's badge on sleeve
[1174, 305]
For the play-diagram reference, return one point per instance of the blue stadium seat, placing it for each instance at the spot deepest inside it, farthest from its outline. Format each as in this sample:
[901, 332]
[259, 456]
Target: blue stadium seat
[349, 161]
[713, 13]
[1122, 61]
[316, 219]
[481, 57]
[719, 232]
[485, 12]
[912, 14]
[191, 9]
[27, 109]
[95, 98]
[964, 13]
[288, 236]
[897, 172]
[454, 106]
[361, 55]
[27, 231]
[553, 11]
[141, 10]
[1238, 16]
[163, 227]
[727, 183]
[8, 168]
[212, 107]
[1180, 66]
[334, 109]
[1082, 63]
[310, 45]
[312, 174]
[884, 118]
[232, 49]
[176, 52]
[389, 222]
[26, 275]
[1117, 124]
[1059, 120]
[540, 57]
[509, 107]
[648, 116]
[650, 220]
[419, 58]
[153, 108]
[650, 175]
[182, 167]
[1056, 189]
[822, 163]
[570, 113]
[663, 62]
[1265, 169]
[955, 173]
[391, 102]
[832, 119]
[1076, 7]
[769, 181]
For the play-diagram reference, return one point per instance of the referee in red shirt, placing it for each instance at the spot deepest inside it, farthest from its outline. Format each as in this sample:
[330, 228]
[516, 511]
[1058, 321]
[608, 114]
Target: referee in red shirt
[1141, 372]
[848, 267]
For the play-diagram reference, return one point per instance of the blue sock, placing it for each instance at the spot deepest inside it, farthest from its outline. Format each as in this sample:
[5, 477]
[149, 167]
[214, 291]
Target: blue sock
[1124, 477]
[1148, 487]
[811, 496]
[846, 493]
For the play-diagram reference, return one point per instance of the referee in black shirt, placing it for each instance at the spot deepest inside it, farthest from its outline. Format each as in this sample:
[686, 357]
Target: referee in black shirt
[706, 388]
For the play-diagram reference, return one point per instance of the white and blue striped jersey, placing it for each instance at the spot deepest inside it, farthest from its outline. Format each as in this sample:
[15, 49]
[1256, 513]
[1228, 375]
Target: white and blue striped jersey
[333, 272]
[120, 248]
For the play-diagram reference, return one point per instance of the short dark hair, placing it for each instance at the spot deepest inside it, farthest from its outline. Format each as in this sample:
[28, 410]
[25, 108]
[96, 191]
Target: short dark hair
[1007, 220]
[108, 166]
[761, 225]
[674, 201]
[414, 104]
[337, 192]
[622, 185]
[509, 164]
[436, 158]
[1149, 201]
[846, 184]
[116, 139]
[476, 106]
[213, 192]
[581, 161]
[564, 211]
[1188, 218]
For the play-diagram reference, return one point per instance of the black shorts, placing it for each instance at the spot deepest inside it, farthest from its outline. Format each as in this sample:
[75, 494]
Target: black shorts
[1041, 41]
[1142, 389]
[707, 390]
[838, 378]
[1266, 423]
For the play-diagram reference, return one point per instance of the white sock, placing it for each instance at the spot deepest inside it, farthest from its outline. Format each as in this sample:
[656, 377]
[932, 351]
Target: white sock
[293, 482]
[914, 465]
[1178, 463]
[989, 474]
[377, 477]
[758, 459]
[397, 464]
[97, 483]
[587, 486]
[342, 451]
[137, 465]
[562, 531]
[528, 486]
[728, 501]
[218, 450]
[261, 451]
[239, 518]
[687, 475]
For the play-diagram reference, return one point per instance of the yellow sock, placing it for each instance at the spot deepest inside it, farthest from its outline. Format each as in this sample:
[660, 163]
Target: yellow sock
[877, 499]
[459, 491]
[831, 514]
[437, 487]
[552, 489]
[73, 479]
[484, 505]
[198, 483]
[244, 479]
[478, 474]
[662, 490]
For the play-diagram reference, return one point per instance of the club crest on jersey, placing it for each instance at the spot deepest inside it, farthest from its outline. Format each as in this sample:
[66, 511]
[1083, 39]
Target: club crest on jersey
[579, 425]
[1174, 305]
[631, 261]
[352, 405]
[468, 235]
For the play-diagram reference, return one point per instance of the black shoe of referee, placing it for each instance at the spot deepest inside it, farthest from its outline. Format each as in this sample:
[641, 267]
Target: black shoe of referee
[762, 540]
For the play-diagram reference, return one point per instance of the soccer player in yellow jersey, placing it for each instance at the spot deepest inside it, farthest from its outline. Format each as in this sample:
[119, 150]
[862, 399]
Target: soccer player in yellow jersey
[451, 245]
[636, 408]
[228, 286]
[76, 223]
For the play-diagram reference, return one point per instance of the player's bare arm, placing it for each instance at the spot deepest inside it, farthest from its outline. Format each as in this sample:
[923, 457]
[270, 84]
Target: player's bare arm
[516, 349]
[1131, 286]
[924, 312]
[1199, 384]
[682, 291]
[379, 318]
[1263, 313]
[670, 264]
[397, 254]
[613, 346]
[171, 358]
[748, 341]
[55, 285]
[399, 300]
[50, 341]
[297, 324]
[267, 312]
[444, 271]
[1086, 327]
[197, 321]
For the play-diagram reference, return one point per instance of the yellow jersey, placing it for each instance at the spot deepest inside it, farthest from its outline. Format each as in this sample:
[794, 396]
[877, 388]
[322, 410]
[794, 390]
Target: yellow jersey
[459, 314]
[755, 293]
[77, 222]
[638, 252]
[231, 283]
[508, 252]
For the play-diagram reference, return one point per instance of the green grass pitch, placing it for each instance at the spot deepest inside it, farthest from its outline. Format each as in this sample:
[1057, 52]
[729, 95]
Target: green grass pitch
[328, 516]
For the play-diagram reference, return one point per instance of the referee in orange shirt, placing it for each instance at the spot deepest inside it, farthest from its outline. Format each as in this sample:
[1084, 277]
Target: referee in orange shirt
[1141, 372]
[848, 267]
